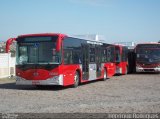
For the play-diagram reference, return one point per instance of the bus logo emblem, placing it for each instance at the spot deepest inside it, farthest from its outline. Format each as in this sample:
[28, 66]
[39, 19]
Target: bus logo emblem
[35, 74]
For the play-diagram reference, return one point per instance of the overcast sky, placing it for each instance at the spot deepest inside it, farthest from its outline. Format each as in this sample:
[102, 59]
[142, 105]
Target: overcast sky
[117, 20]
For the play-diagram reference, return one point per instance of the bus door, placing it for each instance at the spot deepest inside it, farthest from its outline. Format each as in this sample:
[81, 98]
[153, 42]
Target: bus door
[92, 62]
[125, 60]
[110, 61]
[117, 55]
[98, 61]
[85, 61]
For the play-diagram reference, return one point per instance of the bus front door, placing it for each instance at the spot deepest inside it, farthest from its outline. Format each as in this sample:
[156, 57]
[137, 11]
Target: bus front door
[98, 61]
[85, 62]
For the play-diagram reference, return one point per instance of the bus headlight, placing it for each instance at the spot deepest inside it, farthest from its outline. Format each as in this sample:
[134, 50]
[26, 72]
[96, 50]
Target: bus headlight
[138, 66]
[55, 80]
[158, 68]
[18, 78]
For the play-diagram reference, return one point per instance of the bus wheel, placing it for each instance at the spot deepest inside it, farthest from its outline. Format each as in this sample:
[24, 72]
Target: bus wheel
[105, 75]
[76, 80]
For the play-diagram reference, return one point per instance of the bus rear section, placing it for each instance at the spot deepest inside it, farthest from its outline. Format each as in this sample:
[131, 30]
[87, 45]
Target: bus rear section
[148, 57]
[56, 59]
[121, 59]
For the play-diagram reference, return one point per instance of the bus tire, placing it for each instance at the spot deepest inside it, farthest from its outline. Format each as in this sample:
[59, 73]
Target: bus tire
[105, 75]
[76, 80]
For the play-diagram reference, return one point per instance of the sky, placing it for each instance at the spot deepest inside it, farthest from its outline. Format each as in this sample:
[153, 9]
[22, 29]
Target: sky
[116, 20]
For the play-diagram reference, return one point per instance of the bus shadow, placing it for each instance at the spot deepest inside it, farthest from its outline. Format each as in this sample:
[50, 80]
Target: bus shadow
[10, 86]
[118, 75]
[13, 86]
[94, 81]
[146, 73]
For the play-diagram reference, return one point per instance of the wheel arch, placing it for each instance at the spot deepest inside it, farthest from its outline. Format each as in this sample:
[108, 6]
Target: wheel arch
[80, 74]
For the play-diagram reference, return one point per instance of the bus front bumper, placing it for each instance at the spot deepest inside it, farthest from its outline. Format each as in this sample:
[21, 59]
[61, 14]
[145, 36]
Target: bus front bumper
[140, 69]
[56, 80]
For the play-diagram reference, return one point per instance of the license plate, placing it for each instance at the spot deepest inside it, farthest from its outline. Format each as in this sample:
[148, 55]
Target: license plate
[35, 82]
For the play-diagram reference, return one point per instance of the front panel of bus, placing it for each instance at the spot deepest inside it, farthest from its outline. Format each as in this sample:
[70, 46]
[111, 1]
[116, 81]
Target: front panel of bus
[148, 58]
[38, 61]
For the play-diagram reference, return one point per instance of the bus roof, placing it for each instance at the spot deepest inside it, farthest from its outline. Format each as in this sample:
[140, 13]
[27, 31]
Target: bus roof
[42, 34]
[148, 43]
[56, 34]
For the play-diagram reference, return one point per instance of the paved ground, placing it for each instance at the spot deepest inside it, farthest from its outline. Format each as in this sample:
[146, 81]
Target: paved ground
[139, 93]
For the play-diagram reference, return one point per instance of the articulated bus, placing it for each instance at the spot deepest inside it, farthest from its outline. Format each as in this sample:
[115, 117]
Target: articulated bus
[121, 59]
[57, 59]
[148, 57]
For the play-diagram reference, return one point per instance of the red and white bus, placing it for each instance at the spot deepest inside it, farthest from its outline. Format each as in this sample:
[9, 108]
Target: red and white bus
[121, 59]
[57, 59]
[148, 57]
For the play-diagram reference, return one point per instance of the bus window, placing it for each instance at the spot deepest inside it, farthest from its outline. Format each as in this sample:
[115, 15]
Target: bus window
[67, 56]
[92, 54]
[23, 58]
[38, 50]
[55, 56]
[118, 57]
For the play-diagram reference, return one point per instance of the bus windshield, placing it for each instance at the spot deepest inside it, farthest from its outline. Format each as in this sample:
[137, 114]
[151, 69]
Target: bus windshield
[37, 50]
[148, 55]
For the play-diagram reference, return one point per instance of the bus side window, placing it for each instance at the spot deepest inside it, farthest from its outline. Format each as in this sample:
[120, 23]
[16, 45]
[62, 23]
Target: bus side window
[112, 54]
[68, 57]
[76, 57]
[92, 54]
[103, 55]
[109, 55]
[118, 58]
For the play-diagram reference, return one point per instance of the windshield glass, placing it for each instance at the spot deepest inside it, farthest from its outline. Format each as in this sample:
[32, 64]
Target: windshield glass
[37, 50]
[148, 55]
